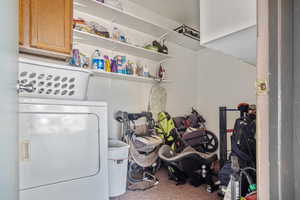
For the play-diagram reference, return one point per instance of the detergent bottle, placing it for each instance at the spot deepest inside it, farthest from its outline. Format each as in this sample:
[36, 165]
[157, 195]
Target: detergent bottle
[146, 72]
[97, 61]
[114, 66]
[107, 64]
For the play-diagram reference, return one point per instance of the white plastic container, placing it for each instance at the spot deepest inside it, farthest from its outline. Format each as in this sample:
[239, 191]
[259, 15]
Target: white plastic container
[117, 167]
[53, 81]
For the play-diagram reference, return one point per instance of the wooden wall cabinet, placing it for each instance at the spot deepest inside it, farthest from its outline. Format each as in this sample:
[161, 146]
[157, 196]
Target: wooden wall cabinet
[21, 21]
[46, 26]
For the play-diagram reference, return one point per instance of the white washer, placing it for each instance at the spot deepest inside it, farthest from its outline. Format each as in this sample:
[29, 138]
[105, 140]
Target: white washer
[63, 150]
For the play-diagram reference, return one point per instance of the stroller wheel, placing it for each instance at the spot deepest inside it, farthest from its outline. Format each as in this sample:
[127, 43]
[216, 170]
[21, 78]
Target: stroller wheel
[156, 166]
[135, 173]
[211, 144]
[139, 179]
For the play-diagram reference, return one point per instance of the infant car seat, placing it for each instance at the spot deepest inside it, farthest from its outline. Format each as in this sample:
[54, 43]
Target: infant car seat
[195, 165]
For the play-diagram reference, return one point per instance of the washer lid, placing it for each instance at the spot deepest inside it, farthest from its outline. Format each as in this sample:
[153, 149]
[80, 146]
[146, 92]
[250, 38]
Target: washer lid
[57, 148]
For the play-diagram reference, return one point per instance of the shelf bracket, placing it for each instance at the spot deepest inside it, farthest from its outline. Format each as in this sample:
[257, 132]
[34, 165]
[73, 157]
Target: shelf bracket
[164, 36]
[164, 61]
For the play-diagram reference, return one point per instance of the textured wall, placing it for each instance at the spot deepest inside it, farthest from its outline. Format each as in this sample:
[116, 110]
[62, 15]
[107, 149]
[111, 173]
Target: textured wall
[8, 118]
[285, 98]
[223, 81]
[241, 44]
[281, 135]
[297, 97]
[221, 18]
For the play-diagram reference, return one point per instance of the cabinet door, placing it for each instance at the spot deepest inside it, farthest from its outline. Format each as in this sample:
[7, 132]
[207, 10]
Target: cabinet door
[51, 25]
[21, 21]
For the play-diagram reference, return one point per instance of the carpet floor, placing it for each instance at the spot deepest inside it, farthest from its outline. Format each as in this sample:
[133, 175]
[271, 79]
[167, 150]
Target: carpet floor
[168, 190]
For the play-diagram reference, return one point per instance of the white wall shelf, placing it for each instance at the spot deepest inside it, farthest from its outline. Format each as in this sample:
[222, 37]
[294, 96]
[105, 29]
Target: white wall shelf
[132, 21]
[110, 13]
[114, 45]
[93, 72]
[100, 73]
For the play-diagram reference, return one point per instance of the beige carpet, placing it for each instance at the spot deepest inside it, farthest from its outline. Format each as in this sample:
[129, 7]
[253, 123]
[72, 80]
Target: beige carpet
[168, 190]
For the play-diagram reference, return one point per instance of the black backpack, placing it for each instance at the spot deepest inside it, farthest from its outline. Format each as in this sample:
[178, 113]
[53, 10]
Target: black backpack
[243, 141]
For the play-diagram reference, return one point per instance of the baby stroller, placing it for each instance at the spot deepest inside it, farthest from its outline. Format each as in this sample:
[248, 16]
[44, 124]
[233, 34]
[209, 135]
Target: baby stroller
[192, 130]
[183, 161]
[143, 151]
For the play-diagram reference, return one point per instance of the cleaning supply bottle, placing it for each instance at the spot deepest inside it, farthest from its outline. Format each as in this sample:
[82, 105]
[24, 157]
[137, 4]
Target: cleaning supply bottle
[118, 60]
[146, 72]
[75, 60]
[114, 66]
[161, 72]
[129, 67]
[107, 64]
[123, 67]
[97, 61]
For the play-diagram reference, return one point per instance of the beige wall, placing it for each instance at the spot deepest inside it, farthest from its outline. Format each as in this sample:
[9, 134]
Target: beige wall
[222, 81]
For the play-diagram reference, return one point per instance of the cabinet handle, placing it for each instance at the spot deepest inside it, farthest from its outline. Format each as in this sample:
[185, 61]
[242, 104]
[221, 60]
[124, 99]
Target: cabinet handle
[25, 151]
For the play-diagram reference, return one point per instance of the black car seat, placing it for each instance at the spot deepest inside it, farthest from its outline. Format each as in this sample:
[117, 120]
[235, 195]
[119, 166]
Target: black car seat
[197, 166]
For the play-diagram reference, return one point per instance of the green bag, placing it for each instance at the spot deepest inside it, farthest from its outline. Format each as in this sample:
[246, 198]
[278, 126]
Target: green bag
[166, 129]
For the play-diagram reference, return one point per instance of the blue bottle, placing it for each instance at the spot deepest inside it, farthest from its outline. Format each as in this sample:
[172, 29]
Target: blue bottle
[97, 61]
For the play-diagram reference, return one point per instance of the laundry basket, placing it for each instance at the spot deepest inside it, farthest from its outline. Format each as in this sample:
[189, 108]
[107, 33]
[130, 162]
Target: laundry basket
[52, 81]
[117, 167]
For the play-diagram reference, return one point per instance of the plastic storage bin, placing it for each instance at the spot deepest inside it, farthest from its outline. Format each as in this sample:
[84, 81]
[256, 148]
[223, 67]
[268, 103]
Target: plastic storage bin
[117, 167]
